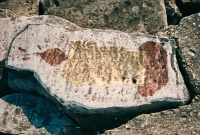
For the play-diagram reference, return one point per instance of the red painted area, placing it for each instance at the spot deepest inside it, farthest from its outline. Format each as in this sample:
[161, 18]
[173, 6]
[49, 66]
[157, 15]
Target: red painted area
[156, 68]
[53, 56]
[38, 47]
[21, 49]
[26, 58]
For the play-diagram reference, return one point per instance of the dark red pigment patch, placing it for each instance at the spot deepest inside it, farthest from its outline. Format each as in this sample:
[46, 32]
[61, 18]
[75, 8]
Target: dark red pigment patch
[21, 49]
[38, 47]
[53, 56]
[156, 68]
[26, 58]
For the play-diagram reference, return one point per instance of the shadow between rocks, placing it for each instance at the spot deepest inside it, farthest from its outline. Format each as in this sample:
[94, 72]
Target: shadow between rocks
[185, 75]
[188, 8]
[23, 81]
[4, 88]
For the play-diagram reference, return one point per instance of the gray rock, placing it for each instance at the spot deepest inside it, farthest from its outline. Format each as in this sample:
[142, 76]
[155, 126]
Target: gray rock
[145, 16]
[188, 34]
[15, 8]
[184, 120]
[188, 7]
[31, 115]
[93, 83]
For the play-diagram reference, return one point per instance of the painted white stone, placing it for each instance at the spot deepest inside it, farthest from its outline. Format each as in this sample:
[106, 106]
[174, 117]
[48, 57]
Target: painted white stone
[81, 98]
[10, 27]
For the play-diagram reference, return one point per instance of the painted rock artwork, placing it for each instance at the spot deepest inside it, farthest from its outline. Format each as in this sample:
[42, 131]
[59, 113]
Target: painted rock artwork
[85, 71]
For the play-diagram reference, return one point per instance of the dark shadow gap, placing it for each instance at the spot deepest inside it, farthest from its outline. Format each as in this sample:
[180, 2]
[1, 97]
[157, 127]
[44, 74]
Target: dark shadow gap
[4, 88]
[56, 3]
[41, 8]
[188, 8]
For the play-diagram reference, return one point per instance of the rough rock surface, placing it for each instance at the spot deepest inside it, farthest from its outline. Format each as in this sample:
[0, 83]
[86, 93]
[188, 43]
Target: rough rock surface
[173, 13]
[188, 35]
[27, 114]
[118, 73]
[184, 120]
[15, 8]
[188, 7]
[147, 16]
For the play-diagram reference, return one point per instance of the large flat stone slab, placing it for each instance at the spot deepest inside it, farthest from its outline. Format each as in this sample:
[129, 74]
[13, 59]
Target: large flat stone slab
[147, 16]
[188, 35]
[27, 114]
[96, 75]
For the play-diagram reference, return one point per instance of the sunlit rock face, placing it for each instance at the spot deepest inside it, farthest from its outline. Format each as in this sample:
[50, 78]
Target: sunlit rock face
[96, 75]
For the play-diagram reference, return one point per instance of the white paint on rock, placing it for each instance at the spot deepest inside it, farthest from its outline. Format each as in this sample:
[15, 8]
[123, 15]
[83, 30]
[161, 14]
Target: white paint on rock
[49, 36]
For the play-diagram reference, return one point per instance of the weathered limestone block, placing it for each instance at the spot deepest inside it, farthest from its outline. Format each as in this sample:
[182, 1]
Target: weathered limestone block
[27, 114]
[188, 34]
[184, 120]
[147, 16]
[15, 8]
[188, 7]
[97, 77]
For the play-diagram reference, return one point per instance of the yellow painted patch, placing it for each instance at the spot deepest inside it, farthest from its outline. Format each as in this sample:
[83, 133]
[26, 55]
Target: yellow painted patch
[103, 65]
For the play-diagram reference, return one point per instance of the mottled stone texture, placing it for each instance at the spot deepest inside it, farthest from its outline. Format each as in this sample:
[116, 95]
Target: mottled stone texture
[184, 120]
[147, 16]
[188, 34]
[27, 114]
[15, 8]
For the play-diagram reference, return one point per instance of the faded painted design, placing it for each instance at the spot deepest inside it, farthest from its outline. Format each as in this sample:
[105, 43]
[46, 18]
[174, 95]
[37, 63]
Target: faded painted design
[103, 65]
[53, 56]
[156, 75]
